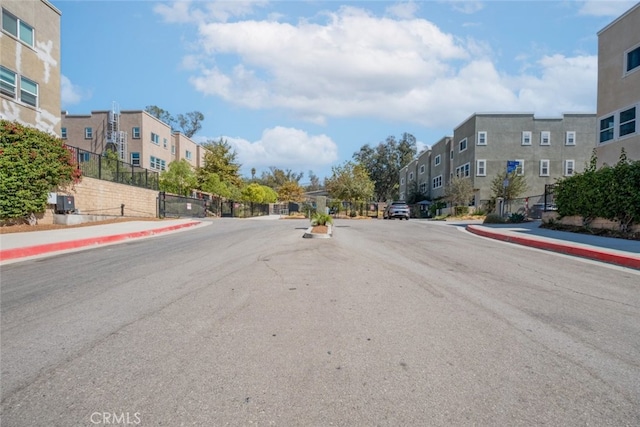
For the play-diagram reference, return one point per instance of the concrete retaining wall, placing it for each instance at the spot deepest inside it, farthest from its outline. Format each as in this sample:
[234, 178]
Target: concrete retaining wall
[577, 222]
[95, 200]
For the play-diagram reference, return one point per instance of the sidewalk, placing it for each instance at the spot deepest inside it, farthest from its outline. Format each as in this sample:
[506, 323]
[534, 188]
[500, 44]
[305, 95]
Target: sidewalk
[621, 252]
[18, 246]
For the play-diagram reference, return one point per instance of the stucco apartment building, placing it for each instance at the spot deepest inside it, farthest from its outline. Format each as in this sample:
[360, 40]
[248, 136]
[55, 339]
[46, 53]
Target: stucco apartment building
[544, 148]
[138, 137]
[30, 64]
[619, 88]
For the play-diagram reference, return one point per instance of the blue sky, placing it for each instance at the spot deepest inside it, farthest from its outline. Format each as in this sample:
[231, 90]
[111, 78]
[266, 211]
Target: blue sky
[302, 85]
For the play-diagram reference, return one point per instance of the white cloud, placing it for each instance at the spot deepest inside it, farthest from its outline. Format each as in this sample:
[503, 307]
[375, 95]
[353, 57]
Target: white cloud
[356, 64]
[218, 10]
[467, 7]
[613, 8]
[404, 10]
[285, 148]
[70, 93]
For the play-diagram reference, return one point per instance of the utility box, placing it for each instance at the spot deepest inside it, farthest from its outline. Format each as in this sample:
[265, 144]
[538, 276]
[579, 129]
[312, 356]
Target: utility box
[65, 204]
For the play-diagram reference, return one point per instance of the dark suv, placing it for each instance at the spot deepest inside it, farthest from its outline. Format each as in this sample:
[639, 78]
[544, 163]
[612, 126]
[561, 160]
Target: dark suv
[396, 210]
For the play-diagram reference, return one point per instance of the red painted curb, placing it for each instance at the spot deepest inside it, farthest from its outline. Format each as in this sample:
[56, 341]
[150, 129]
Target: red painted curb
[73, 244]
[596, 254]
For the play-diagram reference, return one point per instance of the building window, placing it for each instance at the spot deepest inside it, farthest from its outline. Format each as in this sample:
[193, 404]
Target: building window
[187, 154]
[88, 133]
[7, 82]
[462, 145]
[451, 155]
[606, 129]
[28, 91]
[463, 171]
[63, 133]
[481, 168]
[569, 167]
[482, 138]
[421, 169]
[520, 167]
[526, 137]
[570, 138]
[156, 163]
[401, 181]
[544, 167]
[155, 138]
[437, 182]
[17, 28]
[627, 122]
[632, 59]
[545, 138]
[135, 159]
[437, 160]
[135, 133]
[84, 156]
[173, 149]
[164, 142]
[423, 188]
[411, 176]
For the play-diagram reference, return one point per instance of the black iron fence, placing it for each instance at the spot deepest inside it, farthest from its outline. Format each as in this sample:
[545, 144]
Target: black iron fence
[94, 165]
[172, 206]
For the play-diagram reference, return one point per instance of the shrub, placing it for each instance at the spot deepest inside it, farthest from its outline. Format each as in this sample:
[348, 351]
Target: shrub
[321, 219]
[517, 218]
[461, 210]
[493, 218]
[32, 163]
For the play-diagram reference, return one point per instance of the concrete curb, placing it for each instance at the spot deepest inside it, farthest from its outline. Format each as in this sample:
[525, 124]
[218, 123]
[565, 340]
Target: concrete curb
[28, 251]
[610, 257]
[309, 235]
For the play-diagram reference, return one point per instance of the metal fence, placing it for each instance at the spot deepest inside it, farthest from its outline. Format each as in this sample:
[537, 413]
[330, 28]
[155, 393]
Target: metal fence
[531, 206]
[173, 206]
[94, 165]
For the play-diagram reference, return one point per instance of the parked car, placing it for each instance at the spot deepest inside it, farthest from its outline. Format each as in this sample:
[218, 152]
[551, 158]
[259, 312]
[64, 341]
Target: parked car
[396, 210]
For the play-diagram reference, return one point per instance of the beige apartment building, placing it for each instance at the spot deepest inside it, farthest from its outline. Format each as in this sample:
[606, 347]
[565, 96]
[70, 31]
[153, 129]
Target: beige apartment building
[138, 137]
[619, 88]
[30, 64]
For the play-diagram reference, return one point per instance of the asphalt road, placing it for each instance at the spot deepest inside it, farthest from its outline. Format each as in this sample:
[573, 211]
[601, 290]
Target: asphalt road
[390, 323]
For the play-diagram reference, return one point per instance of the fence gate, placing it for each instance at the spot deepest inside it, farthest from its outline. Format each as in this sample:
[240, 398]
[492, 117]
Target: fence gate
[226, 208]
[173, 206]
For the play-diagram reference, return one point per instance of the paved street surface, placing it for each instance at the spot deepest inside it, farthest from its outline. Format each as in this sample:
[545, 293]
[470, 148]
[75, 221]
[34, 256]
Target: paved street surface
[390, 323]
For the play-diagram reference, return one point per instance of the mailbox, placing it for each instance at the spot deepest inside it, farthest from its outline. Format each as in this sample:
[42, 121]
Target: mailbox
[65, 204]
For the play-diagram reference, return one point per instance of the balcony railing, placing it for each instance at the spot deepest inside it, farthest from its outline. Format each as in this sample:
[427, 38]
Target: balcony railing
[94, 165]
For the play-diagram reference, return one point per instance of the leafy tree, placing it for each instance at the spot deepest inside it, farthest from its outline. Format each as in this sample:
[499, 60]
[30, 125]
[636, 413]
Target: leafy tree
[413, 194]
[189, 123]
[257, 193]
[32, 163]
[459, 191]
[179, 178]
[383, 163]
[211, 183]
[276, 178]
[314, 182]
[624, 193]
[220, 159]
[290, 191]
[516, 185]
[350, 182]
[161, 114]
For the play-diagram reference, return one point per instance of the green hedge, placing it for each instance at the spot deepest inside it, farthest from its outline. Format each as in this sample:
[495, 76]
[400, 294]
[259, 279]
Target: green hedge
[32, 163]
[611, 192]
